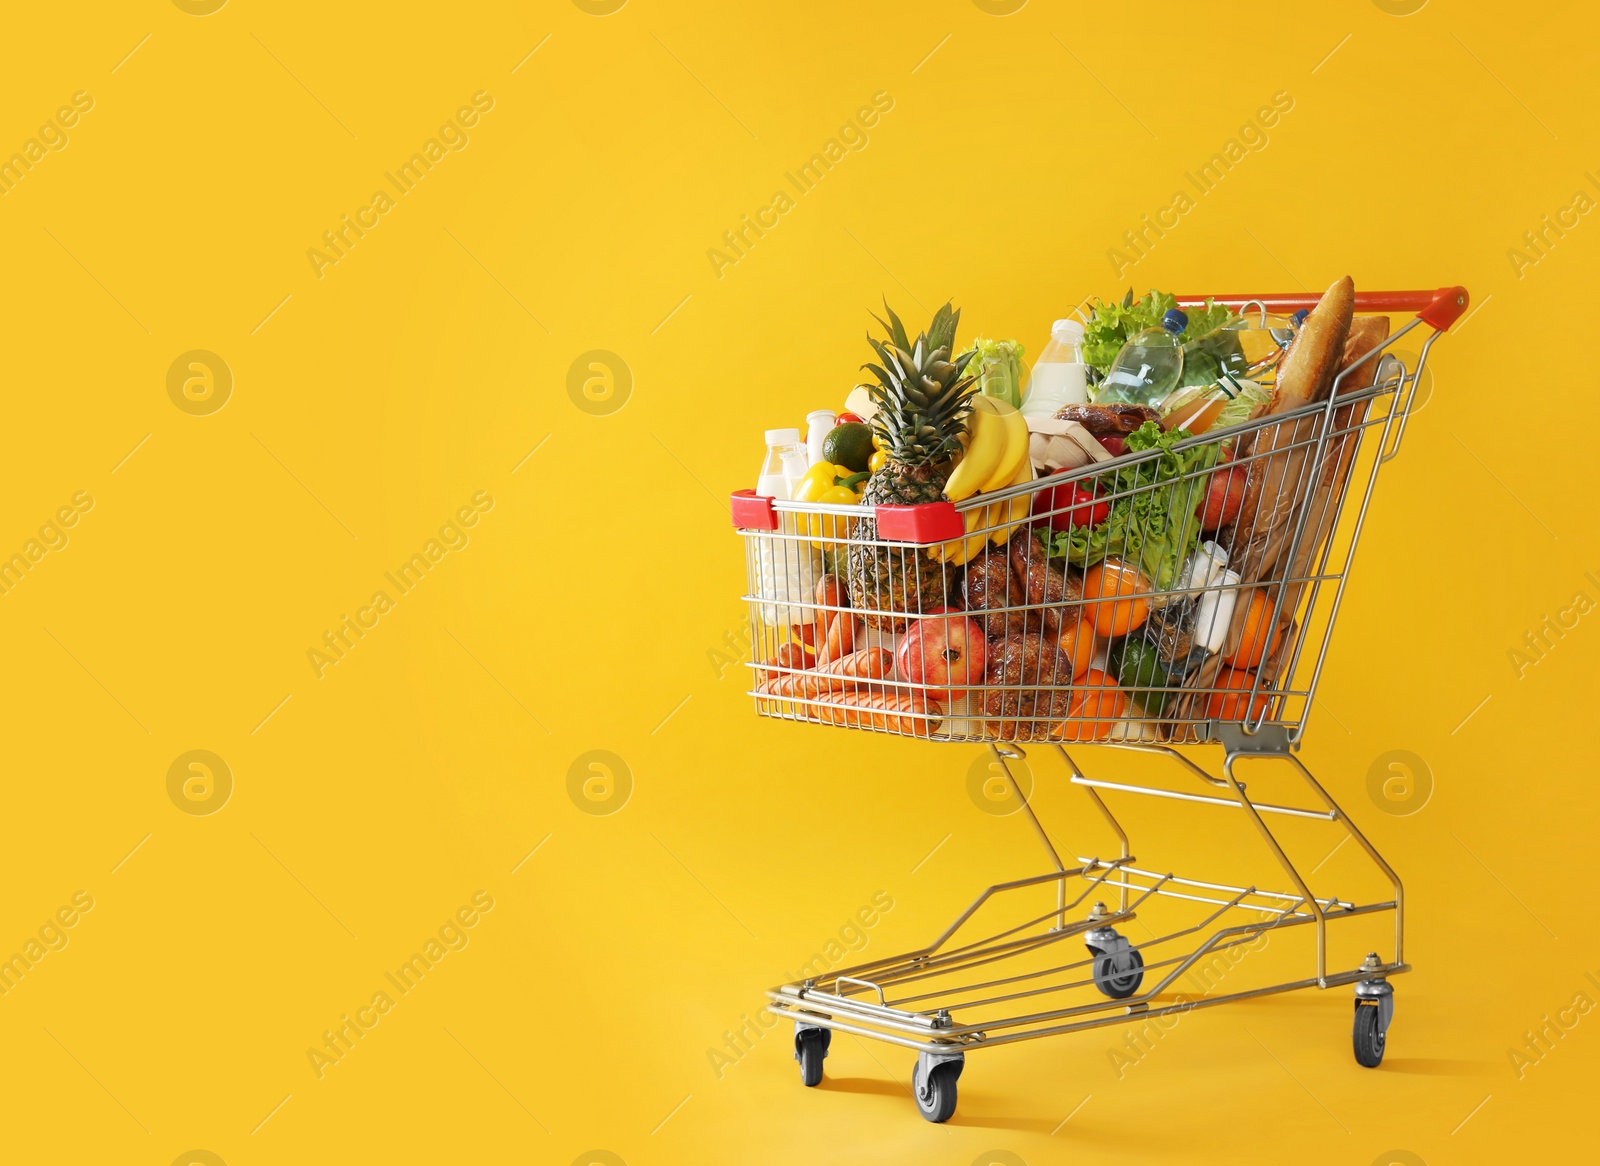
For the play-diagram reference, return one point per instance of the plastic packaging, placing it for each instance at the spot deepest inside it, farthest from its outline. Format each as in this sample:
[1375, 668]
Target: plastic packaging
[1060, 377]
[1208, 568]
[788, 568]
[1149, 366]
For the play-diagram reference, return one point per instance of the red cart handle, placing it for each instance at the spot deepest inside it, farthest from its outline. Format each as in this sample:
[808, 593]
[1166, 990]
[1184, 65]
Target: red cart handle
[1438, 309]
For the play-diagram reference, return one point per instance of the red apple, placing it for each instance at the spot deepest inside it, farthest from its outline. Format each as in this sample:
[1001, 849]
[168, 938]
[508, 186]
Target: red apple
[1224, 495]
[945, 651]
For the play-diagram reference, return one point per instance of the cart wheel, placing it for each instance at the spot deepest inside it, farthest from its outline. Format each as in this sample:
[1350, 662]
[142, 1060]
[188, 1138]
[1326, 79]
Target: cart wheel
[936, 1094]
[1368, 1036]
[1118, 974]
[810, 1047]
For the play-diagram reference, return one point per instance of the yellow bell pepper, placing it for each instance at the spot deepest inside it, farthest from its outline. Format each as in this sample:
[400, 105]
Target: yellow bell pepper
[877, 461]
[825, 482]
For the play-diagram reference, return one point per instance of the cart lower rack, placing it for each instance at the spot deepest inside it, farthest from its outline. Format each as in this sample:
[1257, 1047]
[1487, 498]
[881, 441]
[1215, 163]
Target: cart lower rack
[979, 984]
[1032, 644]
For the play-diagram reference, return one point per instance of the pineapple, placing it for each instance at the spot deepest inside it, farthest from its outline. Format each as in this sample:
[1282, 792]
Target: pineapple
[923, 401]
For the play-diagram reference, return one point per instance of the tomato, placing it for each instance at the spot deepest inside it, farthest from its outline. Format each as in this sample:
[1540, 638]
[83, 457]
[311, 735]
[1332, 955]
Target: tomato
[1074, 504]
[844, 418]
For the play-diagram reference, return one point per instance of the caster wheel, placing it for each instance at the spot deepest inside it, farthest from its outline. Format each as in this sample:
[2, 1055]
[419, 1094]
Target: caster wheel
[1368, 1036]
[1118, 974]
[936, 1093]
[810, 1047]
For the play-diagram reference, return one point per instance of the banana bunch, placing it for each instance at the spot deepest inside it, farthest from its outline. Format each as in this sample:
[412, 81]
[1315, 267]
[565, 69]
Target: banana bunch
[996, 456]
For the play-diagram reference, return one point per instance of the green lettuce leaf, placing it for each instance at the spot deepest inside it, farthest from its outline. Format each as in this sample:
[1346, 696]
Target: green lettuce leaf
[1154, 527]
[1111, 325]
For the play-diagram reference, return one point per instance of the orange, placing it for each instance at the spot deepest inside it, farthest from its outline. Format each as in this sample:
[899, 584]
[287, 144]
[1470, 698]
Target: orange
[1260, 636]
[1235, 706]
[1096, 706]
[1115, 616]
[1076, 642]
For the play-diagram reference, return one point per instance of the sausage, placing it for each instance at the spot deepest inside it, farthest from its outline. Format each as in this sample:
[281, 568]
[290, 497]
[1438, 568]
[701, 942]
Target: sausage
[1109, 420]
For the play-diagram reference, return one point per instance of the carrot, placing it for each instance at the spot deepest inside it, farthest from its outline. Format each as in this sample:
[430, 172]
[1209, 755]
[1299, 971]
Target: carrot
[789, 657]
[829, 592]
[803, 685]
[867, 664]
[841, 639]
[860, 709]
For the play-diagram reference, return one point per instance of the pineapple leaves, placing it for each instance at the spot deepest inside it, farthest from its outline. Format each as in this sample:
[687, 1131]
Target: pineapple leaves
[922, 394]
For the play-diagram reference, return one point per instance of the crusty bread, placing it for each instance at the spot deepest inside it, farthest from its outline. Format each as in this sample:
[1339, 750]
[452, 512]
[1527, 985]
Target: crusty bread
[1308, 369]
[1322, 507]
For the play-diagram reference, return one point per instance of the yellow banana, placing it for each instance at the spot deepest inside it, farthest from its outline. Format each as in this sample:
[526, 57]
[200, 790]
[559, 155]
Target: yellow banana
[988, 443]
[978, 520]
[1018, 508]
[1016, 443]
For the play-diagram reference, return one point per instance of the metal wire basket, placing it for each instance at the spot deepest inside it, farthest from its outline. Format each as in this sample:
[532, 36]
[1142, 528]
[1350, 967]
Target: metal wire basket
[1227, 620]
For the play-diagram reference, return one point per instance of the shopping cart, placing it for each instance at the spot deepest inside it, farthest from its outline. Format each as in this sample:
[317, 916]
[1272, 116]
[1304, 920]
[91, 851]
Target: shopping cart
[1245, 681]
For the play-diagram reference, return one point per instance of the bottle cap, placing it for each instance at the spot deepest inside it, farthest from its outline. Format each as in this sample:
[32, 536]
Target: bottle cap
[783, 437]
[1067, 331]
[1300, 316]
[821, 417]
[1175, 321]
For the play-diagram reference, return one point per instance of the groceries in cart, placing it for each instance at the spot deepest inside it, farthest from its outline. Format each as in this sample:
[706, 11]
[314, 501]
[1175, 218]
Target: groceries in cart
[1124, 543]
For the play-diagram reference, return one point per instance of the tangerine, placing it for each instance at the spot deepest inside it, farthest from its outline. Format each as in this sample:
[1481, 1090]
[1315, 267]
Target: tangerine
[1260, 635]
[1235, 705]
[1115, 616]
[1076, 642]
[1096, 706]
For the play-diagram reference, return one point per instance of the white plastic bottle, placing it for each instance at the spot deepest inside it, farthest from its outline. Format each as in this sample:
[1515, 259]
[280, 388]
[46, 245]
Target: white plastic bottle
[819, 425]
[789, 566]
[1059, 376]
[1208, 568]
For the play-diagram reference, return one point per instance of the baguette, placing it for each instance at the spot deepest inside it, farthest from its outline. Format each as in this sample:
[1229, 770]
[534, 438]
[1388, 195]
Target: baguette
[1280, 454]
[1308, 369]
[1367, 333]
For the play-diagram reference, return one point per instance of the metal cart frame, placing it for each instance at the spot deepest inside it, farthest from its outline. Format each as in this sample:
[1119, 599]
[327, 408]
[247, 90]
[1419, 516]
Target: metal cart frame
[1010, 982]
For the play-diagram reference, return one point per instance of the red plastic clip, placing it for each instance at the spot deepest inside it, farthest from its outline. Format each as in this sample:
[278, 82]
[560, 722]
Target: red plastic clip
[1447, 307]
[752, 511]
[931, 522]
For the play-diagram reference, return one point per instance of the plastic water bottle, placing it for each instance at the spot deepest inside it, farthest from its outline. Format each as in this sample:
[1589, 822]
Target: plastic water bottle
[1148, 367]
[1059, 375]
[788, 565]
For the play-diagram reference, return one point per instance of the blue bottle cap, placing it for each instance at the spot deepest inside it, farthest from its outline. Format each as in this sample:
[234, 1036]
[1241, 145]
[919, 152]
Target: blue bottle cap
[1175, 321]
[1300, 316]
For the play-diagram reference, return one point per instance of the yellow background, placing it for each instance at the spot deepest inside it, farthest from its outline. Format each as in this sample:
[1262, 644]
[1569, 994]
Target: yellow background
[594, 603]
